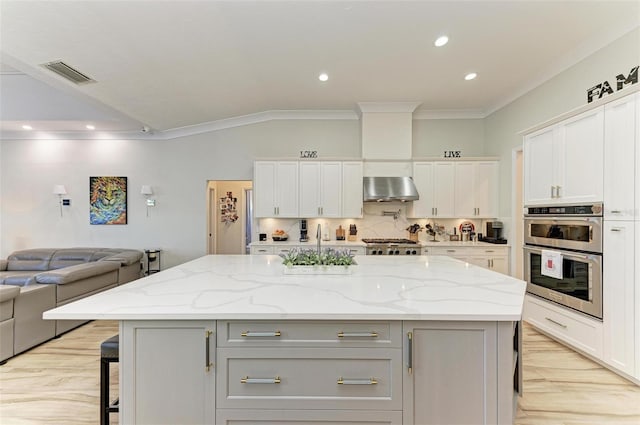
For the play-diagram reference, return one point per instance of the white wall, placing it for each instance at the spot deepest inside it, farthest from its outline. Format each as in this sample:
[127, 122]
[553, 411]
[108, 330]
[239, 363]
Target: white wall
[434, 136]
[178, 171]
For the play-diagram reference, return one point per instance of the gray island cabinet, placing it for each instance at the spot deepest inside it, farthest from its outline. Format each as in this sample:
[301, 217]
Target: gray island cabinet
[231, 340]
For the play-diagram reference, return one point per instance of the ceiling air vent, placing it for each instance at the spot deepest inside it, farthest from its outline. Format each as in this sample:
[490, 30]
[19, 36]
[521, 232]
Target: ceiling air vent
[68, 72]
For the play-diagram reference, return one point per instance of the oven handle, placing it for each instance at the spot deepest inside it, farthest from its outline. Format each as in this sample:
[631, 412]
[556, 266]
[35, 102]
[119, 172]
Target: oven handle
[565, 254]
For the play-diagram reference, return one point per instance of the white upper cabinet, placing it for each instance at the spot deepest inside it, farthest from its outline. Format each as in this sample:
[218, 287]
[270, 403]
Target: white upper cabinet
[321, 189]
[476, 189]
[292, 189]
[620, 141]
[563, 163]
[435, 183]
[455, 189]
[352, 189]
[275, 188]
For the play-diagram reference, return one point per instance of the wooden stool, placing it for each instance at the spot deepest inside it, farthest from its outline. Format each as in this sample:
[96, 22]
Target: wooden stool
[109, 353]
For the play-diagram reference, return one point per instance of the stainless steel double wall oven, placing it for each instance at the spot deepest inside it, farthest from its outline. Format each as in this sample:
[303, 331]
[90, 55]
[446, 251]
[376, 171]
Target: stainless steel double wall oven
[575, 232]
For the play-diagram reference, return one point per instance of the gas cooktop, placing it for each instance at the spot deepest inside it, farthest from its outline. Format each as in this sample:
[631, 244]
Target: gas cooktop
[386, 241]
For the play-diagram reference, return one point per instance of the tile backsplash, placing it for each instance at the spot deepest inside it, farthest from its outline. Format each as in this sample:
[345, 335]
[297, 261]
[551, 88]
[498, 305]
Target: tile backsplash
[381, 220]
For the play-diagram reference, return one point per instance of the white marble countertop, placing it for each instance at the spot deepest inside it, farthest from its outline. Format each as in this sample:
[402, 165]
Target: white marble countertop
[255, 287]
[312, 243]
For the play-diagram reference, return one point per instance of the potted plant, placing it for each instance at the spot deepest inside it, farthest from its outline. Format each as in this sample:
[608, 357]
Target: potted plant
[309, 261]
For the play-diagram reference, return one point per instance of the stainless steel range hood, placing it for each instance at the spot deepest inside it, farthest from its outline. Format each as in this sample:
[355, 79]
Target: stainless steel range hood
[385, 189]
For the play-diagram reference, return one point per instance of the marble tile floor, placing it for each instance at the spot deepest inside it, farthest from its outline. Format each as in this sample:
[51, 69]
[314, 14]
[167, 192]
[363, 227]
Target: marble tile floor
[57, 383]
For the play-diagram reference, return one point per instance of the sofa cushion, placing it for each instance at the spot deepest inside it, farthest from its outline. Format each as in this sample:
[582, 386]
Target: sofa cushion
[70, 257]
[30, 259]
[74, 273]
[18, 278]
[125, 257]
[8, 292]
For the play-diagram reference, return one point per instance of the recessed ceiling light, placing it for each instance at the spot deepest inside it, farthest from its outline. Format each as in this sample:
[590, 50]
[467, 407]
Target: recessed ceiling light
[27, 127]
[90, 127]
[323, 77]
[470, 76]
[441, 41]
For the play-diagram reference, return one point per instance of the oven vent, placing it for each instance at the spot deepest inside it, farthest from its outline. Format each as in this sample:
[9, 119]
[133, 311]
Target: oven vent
[68, 72]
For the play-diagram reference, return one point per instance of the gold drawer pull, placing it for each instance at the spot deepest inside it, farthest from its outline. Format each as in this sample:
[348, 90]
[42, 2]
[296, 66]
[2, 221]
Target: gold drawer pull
[247, 380]
[357, 334]
[368, 381]
[249, 334]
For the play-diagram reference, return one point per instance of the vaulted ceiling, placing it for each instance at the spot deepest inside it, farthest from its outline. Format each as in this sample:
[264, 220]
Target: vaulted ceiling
[174, 64]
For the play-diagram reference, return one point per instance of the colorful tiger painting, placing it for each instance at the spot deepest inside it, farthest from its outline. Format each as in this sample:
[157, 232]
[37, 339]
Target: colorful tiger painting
[108, 200]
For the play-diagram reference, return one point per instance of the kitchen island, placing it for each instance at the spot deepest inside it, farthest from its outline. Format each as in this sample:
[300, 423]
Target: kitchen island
[232, 339]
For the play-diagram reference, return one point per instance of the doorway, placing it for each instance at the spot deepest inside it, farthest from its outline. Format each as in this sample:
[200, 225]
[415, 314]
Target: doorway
[229, 216]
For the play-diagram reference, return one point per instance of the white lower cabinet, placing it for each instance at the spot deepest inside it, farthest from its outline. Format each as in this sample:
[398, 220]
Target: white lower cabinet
[619, 322]
[492, 258]
[570, 327]
[167, 372]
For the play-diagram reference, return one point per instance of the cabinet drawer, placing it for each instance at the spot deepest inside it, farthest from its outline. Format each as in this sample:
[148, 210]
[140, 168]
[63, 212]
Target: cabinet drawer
[336, 378]
[320, 417]
[238, 333]
[261, 250]
[571, 328]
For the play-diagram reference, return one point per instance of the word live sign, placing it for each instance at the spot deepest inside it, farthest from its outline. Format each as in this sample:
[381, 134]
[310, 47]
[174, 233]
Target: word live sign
[600, 90]
[453, 154]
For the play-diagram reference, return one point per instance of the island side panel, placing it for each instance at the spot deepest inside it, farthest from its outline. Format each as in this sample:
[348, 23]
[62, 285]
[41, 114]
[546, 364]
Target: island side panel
[452, 373]
[165, 373]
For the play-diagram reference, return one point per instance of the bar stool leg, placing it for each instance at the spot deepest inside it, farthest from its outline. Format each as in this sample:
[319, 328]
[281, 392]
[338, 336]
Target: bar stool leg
[104, 391]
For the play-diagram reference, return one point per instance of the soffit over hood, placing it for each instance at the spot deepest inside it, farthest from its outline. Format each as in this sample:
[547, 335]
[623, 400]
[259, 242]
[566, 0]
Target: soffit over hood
[385, 189]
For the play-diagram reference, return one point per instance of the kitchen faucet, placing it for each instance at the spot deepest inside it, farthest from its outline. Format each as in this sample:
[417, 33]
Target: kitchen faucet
[319, 237]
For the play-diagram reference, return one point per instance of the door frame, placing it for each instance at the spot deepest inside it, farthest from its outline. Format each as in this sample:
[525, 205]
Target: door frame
[212, 216]
[517, 211]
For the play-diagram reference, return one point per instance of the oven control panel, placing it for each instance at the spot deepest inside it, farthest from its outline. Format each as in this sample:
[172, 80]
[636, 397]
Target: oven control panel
[574, 210]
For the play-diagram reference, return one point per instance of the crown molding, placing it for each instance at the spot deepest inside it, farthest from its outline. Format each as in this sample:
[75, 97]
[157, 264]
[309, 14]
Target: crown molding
[258, 118]
[388, 106]
[449, 114]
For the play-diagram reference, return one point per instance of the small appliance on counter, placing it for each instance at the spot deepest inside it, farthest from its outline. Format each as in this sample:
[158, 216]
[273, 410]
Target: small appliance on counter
[303, 231]
[494, 233]
[353, 233]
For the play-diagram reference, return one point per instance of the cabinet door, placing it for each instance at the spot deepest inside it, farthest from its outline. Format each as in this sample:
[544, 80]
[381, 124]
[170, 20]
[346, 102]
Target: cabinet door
[178, 385]
[580, 151]
[287, 189]
[539, 167]
[485, 189]
[423, 179]
[352, 189]
[264, 188]
[619, 262]
[310, 189]
[619, 158]
[449, 365]
[465, 196]
[443, 189]
[331, 189]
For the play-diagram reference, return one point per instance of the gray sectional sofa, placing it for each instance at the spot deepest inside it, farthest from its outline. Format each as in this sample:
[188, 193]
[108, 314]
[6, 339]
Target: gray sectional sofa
[35, 280]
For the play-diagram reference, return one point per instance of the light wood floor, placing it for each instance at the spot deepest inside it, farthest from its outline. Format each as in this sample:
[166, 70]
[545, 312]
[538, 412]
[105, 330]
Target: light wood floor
[57, 383]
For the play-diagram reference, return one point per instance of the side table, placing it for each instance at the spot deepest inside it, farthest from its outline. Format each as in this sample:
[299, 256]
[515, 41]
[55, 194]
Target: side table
[153, 256]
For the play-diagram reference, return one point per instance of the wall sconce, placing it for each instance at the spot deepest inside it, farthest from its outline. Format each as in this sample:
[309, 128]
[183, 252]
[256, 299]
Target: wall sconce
[59, 190]
[147, 192]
